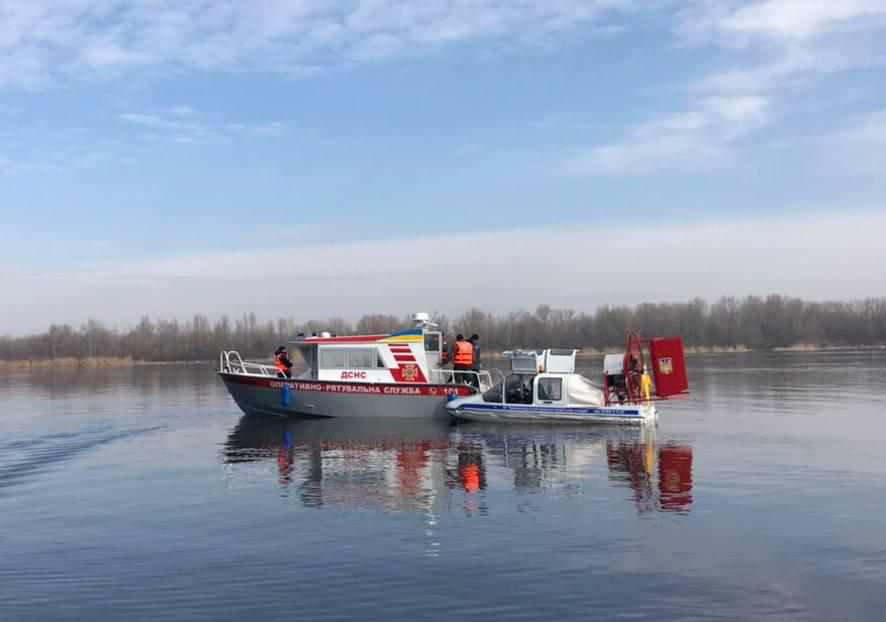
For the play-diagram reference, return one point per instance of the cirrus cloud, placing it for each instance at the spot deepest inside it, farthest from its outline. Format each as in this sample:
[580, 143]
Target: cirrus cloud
[46, 40]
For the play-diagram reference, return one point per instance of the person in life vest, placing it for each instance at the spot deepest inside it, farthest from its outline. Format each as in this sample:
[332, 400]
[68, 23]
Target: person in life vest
[475, 343]
[474, 340]
[282, 363]
[462, 359]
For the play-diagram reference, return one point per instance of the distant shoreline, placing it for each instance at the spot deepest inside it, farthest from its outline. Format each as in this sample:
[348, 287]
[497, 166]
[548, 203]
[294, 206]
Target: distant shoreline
[94, 362]
[101, 362]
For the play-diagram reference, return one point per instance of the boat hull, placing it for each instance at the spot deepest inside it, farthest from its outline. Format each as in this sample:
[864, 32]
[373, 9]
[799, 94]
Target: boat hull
[492, 412]
[261, 395]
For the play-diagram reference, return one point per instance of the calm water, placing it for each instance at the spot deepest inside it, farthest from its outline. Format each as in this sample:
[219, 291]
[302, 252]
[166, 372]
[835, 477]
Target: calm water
[142, 494]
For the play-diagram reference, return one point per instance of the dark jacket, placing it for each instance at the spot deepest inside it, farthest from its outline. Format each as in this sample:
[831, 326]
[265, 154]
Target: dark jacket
[476, 344]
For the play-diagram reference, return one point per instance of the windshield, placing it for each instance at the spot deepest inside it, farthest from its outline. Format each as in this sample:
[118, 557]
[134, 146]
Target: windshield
[308, 361]
[493, 394]
[518, 388]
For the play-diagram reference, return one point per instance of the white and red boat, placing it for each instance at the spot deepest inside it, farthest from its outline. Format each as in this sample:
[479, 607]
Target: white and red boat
[362, 376]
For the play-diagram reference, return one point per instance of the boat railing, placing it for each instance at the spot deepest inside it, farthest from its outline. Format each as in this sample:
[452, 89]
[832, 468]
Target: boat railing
[483, 379]
[231, 362]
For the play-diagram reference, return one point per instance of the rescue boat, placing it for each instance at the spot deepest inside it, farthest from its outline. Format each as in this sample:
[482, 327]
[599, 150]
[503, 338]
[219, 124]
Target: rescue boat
[361, 376]
[543, 386]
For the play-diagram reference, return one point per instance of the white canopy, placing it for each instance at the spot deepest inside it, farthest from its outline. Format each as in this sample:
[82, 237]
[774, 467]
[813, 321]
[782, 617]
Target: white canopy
[581, 392]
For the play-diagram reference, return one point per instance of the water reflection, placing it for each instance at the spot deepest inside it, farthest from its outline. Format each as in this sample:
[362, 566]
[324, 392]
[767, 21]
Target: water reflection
[418, 465]
[388, 465]
[659, 476]
[633, 464]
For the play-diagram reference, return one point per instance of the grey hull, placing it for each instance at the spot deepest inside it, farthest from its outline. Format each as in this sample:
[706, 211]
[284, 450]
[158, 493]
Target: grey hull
[306, 398]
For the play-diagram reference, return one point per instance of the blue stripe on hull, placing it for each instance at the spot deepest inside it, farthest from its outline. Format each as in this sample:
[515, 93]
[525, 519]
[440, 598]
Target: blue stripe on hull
[607, 412]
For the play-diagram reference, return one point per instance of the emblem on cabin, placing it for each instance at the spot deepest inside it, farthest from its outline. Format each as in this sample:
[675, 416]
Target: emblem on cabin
[666, 365]
[410, 372]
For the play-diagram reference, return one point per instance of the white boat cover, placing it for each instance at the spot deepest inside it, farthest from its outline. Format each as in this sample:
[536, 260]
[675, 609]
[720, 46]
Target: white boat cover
[581, 392]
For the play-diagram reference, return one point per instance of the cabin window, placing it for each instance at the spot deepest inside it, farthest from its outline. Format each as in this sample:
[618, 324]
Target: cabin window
[432, 342]
[333, 358]
[350, 358]
[518, 389]
[364, 358]
[550, 389]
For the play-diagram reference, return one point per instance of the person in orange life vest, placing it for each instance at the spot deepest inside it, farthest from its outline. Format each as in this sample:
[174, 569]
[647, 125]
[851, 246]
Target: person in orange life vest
[471, 478]
[282, 363]
[462, 359]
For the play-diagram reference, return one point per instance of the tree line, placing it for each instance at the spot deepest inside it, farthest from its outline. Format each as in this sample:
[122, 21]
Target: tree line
[753, 322]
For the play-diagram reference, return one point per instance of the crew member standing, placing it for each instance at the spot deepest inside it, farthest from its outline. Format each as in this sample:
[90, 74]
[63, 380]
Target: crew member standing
[282, 363]
[475, 344]
[462, 359]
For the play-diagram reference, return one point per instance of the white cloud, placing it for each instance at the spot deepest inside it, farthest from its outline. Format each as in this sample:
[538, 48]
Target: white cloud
[158, 122]
[784, 41]
[271, 129]
[499, 271]
[56, 151]
[183, 124]
[45, 40]
[801, 19]
[742, 22]
[698, 139]
[642, 153]
[773, 45]
[182, 111]
[104, 53]
[748, 110]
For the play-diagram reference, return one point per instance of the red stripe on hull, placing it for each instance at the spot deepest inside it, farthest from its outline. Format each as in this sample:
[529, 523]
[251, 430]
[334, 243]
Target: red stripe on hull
[404, 358]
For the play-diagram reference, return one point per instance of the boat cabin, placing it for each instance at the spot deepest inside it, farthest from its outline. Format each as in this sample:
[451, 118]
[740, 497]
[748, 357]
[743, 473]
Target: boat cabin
[543, 377]
[414, 355]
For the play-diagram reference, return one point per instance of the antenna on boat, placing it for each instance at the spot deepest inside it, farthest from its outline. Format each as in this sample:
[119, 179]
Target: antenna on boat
[423, 320]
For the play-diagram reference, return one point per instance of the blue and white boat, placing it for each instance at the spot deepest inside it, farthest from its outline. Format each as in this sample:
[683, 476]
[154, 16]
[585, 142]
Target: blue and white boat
[544, 387]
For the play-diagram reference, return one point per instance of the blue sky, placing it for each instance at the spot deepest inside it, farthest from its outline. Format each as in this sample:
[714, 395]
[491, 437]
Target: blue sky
[144, 144]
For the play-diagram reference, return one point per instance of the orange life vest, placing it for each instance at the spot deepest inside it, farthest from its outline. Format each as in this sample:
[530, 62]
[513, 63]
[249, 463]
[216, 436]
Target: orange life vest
[471, 478]
[464, 353]
[279, 364]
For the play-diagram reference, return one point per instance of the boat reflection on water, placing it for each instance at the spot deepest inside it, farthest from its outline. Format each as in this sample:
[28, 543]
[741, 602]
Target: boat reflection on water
[381, 464]
[397, 465]
[634, 464]
[558, 456]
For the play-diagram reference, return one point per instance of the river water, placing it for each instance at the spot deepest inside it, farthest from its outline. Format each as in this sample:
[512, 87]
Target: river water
[143, 494]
